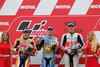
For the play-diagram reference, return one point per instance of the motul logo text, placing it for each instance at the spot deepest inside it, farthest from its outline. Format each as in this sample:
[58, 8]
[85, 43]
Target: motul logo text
[45, 7]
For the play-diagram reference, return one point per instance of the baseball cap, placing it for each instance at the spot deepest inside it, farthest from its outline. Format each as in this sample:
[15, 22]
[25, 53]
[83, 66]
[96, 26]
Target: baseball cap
[26, 30]
[71, 24]
[50, 27]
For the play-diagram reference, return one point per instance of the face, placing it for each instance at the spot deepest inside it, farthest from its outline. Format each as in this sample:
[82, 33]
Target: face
[90, 36]
[25, 34]
[71, 29]
[5, 37]
[50, 32]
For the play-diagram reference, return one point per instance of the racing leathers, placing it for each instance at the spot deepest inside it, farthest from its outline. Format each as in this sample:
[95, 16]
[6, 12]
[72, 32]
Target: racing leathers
[68, 41]
[25, 47]
[49, 48]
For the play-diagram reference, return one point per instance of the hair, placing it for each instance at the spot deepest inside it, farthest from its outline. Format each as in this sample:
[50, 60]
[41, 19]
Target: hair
[94, 41]
[8, 41]
[2, 40]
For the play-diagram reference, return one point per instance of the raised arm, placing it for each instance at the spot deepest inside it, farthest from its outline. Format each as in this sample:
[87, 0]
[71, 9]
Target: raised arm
[39, 45]
[16, 45]
[56, 46]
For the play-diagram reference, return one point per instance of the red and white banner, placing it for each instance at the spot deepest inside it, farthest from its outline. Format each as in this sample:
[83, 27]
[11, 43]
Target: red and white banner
[37, 15]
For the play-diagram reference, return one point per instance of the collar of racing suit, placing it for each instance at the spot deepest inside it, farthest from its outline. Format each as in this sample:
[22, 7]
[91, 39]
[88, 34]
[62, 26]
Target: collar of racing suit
[71, 33]
[25, 38]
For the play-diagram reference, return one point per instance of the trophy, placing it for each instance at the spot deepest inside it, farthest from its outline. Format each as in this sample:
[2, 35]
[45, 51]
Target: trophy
[74, 47]
[28, 48]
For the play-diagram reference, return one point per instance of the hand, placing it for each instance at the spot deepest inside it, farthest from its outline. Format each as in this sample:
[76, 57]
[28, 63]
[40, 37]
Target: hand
[37, 42]
[0, 55]
[79, 50]
[18, 47]
[98, 44]
[31, 54]
[69, 51]
[96, 56]
[13, 50]
[54, 47]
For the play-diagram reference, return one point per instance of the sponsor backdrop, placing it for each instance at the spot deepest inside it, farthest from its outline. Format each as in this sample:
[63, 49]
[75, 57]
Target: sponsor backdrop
[37, 15]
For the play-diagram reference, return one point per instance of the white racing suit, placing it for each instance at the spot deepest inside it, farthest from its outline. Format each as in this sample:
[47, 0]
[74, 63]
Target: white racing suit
[67, 40]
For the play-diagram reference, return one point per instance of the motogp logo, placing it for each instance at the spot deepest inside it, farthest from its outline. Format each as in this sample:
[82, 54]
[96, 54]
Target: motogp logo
[36, 29]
